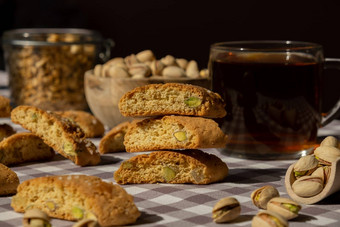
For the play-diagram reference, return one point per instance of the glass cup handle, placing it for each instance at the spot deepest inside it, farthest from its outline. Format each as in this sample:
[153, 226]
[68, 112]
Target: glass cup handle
[331, 63]
[106, 53]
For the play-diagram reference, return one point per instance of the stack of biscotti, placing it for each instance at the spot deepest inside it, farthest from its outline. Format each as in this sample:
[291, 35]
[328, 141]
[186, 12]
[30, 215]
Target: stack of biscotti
[178, 123]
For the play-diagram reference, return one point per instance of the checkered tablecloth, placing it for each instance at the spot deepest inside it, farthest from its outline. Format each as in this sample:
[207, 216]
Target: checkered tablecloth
[185, 204]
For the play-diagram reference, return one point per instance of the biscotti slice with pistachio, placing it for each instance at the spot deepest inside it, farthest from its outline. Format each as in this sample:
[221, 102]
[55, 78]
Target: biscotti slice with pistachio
[172, 98]
[91, 125]
[173, 132]
[9, 181]
[113, 141]
[175, 167]
[64, 136]
[75, 197]
[24, 147]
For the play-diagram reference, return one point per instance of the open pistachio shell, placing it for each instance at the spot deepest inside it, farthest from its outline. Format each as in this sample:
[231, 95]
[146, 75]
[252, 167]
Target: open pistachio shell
[226, 210]
[305, 165]
[261, 196]
[330, 141]
[32, 216]
[307, 186]
[287, 208]
[267, 218]
[326, 154]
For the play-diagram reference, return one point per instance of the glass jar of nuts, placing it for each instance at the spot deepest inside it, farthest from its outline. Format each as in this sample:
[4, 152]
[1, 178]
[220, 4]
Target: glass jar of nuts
[46, 66]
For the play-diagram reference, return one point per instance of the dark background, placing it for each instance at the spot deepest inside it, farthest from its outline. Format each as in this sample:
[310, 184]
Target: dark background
[186, 29]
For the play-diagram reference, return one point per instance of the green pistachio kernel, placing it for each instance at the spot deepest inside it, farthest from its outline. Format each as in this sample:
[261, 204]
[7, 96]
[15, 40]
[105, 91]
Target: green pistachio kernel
[299, 173]
[77, 213]
[127, 165]
[180, 136]
[68, 148]
[34, 117]
[293, 208]
[168, 173]
[35, 222]
[193, 102]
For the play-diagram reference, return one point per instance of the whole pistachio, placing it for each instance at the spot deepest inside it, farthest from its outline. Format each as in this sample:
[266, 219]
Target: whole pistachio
[36, 218]
[287, 208]
[322, 172]
[330, 141]
[145, 55]
[169, 60]
[157, 67]
[192, 70]
[305, 166]
[327, 154]
[173, 72]
[97, 71]
[261, 196]
[182, 62]
[114, 61]
[226, 210]
[117, 72]
[307, 186]
[204, 73]
[130, 60]
[267, 218]
[140, 69]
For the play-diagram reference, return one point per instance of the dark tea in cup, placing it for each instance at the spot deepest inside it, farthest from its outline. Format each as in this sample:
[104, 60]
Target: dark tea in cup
[272, 91]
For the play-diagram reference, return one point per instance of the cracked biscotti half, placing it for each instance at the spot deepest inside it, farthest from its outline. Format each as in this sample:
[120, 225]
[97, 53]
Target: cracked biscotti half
[91, 125]
[74, 197]
[65, 137]
[9, 181]
[5, 107]
[24, 147]
[172, 99]
[175, 167]
[173, 132]
[113, 141]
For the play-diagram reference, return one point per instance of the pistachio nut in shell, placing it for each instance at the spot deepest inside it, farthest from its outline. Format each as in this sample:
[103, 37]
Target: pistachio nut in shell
[330, 141]
[36, 217]
[86, 223]
[145, 55]
[261, 196]
[307, 186]
[268, 218]
[305, 166]
[287, 208]
[322, 172]
[226, 210]
[327, 154]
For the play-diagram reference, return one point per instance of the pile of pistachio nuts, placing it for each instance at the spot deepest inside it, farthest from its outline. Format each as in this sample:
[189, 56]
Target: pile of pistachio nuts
[275, 210]
[312, 172]
[144, 65]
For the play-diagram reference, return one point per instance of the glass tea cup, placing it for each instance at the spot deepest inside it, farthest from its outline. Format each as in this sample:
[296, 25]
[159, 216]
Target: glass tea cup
[272, 91]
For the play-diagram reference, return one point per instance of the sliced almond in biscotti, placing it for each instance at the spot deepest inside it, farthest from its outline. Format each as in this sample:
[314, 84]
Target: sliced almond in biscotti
[65, 137]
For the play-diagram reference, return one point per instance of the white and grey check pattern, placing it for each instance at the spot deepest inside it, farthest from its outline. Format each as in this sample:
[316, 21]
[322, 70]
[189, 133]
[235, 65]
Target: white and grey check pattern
[185, 204]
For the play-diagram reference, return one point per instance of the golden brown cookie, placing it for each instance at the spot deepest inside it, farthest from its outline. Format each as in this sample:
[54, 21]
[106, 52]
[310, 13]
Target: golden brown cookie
[173, 132]
[74, 197]
[113, 141]
[91, 125]
[175, 167]
[9, 181]
[24, 147]
[172, 98]
[5, 107]
[6, 131]
[65, 137]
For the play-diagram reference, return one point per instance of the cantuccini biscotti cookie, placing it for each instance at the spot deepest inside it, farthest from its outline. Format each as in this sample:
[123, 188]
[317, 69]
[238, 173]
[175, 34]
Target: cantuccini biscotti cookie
[65, 137]
[176, 167]
[91, 125]
[173, 132]
[5, 107]
[6, 131]
[74, 197]
[113, 141]
[172, 98]
[24, 147]
[9, 181]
